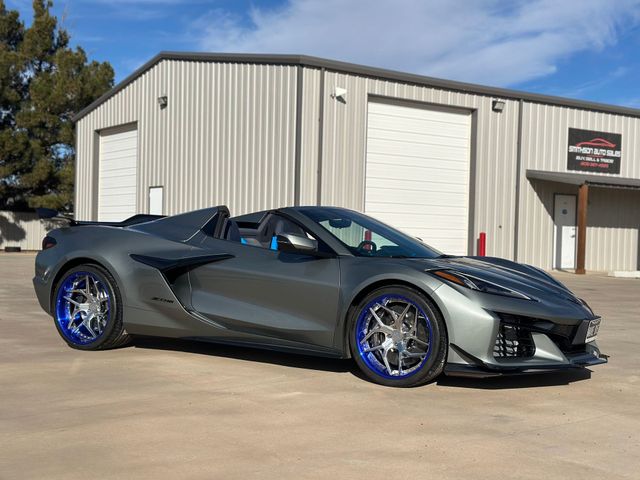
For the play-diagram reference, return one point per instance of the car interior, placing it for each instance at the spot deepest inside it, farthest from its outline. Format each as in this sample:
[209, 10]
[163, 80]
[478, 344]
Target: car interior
[260, 231]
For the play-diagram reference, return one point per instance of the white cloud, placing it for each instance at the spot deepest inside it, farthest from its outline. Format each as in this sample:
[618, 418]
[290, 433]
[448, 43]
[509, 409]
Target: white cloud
[485, 41]
[580, 89]
[147, 2]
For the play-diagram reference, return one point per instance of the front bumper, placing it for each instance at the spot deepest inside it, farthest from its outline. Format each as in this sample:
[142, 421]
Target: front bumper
[475, 367]
[491, 336]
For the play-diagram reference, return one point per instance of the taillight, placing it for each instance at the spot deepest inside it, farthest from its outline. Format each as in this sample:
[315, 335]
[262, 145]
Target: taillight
[48, 242]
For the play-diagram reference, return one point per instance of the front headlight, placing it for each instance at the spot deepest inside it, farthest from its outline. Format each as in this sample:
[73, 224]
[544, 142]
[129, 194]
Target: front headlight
[475, 283]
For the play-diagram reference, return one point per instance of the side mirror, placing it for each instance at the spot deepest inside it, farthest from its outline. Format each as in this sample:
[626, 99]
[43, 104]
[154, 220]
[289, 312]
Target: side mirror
[292, 243]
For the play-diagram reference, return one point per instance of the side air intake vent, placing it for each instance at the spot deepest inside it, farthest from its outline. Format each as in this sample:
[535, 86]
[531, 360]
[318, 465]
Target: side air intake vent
[513, 341]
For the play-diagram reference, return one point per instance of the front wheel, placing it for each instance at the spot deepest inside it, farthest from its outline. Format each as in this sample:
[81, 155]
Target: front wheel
[398, 337]
[87, 309]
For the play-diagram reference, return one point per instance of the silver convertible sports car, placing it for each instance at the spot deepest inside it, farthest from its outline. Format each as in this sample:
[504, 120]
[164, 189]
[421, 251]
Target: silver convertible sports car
[315, 280]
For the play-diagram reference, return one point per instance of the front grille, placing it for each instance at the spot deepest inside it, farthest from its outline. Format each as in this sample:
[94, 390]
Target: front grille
[513, 341]
[563, 335]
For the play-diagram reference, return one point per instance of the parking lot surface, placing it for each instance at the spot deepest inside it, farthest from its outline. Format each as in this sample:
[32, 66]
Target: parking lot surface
[175, 409]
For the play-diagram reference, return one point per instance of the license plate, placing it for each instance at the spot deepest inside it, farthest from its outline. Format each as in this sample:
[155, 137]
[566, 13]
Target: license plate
[592, 331]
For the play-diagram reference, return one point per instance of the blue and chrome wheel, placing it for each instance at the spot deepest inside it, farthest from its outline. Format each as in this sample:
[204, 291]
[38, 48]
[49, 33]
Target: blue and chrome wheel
[397, 336]
[87, 309]
[83, 307]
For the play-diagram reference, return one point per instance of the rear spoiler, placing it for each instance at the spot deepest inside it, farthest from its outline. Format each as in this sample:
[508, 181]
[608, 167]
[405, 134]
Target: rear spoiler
[51, 214]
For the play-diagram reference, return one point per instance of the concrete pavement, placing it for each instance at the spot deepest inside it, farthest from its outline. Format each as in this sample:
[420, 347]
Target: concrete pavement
[167, 409]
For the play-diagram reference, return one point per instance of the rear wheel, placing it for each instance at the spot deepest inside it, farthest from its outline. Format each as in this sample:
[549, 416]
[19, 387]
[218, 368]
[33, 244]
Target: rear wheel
[397, 337]
[87, 309]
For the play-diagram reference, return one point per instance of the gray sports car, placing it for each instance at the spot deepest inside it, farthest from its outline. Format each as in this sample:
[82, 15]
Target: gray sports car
[316, 280]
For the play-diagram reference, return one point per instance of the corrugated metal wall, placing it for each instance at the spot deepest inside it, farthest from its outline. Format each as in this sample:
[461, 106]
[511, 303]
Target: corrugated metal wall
[23, 229]
[344, 143]
[612, 229]
[310, 135]
[227, 136]
[612, 232]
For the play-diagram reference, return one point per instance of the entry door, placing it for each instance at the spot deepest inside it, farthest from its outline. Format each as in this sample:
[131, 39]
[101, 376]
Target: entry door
[268, 296]
[564, 233]
[417, 172]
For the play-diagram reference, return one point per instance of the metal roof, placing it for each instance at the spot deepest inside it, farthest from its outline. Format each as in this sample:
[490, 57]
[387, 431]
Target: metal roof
[583, 178]
[361, 70]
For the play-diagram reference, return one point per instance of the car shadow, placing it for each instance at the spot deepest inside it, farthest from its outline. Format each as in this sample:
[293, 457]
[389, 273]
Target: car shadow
[336, 365]
[245, 353]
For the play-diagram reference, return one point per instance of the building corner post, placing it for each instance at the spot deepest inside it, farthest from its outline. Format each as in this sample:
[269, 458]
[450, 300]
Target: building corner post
[320, 138]
[298, 136]
[516, 219]
[583, 201]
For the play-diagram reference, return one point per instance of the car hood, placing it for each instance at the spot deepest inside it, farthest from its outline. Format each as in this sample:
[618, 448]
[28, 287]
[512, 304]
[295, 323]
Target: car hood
[529, 280]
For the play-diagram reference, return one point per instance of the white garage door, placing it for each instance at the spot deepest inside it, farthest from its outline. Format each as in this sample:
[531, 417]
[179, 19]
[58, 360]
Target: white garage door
[417, 172]
[117, 175]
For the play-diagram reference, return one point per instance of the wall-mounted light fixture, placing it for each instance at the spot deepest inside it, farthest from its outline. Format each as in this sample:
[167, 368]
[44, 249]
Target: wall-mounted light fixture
[498, 105]
[339, 94]
[163, 101]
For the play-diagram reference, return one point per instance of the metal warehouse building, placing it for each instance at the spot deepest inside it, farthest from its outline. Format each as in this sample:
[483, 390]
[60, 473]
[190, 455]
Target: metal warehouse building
[553, 182]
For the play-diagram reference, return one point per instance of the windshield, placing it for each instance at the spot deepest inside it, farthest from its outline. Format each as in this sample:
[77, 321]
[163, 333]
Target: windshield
[367, 237]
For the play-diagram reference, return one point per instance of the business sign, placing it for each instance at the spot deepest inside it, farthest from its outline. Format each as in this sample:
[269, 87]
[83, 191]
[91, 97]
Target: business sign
[594, 151]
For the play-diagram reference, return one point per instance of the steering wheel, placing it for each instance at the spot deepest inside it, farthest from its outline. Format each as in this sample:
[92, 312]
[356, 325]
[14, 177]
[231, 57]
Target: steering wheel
[373, 247]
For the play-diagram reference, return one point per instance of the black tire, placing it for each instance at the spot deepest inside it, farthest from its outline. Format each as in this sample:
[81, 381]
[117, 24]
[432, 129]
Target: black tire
[114, 334]
[433, 365]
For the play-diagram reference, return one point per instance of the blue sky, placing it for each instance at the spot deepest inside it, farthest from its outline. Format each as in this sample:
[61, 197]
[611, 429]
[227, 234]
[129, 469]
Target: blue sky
[587, 49]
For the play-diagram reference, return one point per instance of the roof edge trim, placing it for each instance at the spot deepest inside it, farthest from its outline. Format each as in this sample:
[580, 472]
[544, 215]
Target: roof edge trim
[584, 178]
[361, 70]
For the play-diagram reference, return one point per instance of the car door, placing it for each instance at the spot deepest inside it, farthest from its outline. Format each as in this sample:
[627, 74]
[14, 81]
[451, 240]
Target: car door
[269, 296]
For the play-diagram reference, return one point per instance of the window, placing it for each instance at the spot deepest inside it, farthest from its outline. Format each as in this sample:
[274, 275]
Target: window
[367, 237]
[156, 200]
